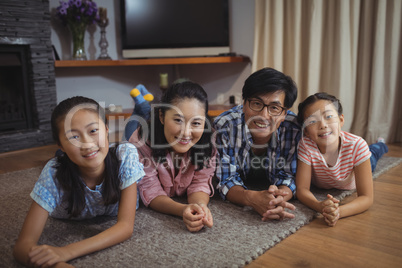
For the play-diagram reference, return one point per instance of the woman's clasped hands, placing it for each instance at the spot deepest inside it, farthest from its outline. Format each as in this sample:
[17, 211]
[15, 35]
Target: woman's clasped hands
[196, 216]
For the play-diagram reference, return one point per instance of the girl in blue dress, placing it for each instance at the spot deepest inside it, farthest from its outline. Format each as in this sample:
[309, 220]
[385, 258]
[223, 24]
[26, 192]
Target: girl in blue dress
[86, 180]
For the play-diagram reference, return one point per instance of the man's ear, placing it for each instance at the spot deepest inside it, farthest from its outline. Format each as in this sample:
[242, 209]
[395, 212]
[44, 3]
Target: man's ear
[161, 117]
[283, 115]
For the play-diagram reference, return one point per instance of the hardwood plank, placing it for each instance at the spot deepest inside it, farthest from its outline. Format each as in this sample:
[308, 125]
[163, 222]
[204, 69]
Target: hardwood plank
[27, 158]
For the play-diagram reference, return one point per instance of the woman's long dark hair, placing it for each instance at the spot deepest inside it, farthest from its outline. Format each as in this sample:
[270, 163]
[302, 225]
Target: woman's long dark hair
[174, 94]
[68, 174]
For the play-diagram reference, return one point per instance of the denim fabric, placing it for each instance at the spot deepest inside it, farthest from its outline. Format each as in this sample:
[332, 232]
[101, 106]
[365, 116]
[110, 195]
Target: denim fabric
[377, 150]
[143, 109]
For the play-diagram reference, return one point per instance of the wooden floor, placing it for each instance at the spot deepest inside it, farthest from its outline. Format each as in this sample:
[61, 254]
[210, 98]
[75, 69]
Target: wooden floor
[371, 239]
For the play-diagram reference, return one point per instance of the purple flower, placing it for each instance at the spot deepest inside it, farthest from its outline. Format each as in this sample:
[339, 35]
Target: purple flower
[89, 12]
[78, 3]
[63, 11]
[77, 11]
[64, 5]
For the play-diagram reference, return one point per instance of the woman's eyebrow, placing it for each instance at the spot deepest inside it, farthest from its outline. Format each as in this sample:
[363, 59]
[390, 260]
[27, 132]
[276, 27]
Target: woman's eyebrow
[311, 116]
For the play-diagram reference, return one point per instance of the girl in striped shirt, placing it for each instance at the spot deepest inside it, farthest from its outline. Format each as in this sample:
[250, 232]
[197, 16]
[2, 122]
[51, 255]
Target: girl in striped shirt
[331, 158]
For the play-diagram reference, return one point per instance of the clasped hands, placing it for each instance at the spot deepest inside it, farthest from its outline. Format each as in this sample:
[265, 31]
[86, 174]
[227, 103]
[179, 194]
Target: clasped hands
[330, 210]
[196, 216]
[271, 205]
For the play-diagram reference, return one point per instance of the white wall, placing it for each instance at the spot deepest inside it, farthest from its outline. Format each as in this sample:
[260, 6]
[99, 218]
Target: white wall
[112, 85]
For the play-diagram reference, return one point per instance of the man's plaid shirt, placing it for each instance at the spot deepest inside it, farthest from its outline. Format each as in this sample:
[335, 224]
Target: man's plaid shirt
[234, 143]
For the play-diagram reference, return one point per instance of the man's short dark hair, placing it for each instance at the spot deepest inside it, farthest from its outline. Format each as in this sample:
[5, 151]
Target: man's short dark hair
[269, 80]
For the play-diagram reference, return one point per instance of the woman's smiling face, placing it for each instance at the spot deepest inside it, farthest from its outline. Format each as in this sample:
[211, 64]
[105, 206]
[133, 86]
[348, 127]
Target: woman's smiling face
[183, 124]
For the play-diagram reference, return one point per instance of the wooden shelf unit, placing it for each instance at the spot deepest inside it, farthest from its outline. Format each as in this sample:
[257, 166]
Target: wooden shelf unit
[213, 111]
[150, 61]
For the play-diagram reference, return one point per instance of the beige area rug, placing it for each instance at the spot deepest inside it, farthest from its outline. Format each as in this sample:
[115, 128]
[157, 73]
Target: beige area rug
[237, 237]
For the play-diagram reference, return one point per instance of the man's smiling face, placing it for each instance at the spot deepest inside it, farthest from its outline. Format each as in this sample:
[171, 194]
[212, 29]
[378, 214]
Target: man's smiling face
[262, 124]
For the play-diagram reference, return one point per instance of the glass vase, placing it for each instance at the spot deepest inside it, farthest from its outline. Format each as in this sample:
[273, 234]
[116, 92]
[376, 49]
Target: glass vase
[78, 34]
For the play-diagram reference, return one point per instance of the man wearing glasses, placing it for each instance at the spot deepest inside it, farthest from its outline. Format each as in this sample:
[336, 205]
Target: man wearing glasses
[257, 146]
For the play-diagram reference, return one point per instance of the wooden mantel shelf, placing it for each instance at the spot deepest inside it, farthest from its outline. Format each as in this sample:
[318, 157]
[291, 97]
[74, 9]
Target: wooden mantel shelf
[150, 61]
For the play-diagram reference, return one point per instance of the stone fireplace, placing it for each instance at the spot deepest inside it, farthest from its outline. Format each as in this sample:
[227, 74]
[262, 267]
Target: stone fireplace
[27, 77]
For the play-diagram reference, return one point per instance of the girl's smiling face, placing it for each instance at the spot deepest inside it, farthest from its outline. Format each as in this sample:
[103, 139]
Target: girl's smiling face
[183, 124]
[323, 124]
[83, 137]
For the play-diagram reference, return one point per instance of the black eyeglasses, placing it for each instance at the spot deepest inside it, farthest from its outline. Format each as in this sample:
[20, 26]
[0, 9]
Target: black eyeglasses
[258, 106]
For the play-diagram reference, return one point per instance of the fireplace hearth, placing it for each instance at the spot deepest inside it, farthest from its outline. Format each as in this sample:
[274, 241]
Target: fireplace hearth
[15, 99]
[27, 79]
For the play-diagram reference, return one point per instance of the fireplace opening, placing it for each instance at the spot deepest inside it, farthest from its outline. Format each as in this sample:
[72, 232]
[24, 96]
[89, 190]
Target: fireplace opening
[15, 104]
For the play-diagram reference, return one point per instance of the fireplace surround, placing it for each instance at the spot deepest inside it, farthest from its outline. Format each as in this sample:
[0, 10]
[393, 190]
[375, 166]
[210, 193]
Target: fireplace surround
[26, 25]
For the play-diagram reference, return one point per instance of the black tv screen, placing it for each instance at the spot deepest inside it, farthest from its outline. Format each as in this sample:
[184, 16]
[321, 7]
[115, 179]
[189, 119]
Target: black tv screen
[174, 28]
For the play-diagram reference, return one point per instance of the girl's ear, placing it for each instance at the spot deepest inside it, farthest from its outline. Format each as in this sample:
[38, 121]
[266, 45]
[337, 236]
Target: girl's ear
[161, 117]
[305, 132]
[61, 148]
[341, 120]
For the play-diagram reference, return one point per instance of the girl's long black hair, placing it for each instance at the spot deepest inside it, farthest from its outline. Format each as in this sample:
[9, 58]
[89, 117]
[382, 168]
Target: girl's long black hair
[67, 172]
[202, 151]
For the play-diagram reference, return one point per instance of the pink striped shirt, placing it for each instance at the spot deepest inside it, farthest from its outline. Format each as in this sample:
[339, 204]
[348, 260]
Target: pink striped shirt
[354, 151]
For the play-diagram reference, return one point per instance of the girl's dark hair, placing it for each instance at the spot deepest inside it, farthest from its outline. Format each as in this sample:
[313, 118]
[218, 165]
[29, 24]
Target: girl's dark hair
[67, 172]
[269, 80]
[175, 93]
[314, 98]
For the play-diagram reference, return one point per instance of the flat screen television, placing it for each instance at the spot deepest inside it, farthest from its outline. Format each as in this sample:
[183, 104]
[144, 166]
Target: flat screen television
[174, 28]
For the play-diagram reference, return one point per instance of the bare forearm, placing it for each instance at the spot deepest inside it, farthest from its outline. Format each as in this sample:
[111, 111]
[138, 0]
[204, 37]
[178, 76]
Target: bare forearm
[307, 198]
[198, 198]
[358, 205]
[364, 188]
[30, 233]
[118, 233]
[21, 251]
[166, 205]
[239, 196]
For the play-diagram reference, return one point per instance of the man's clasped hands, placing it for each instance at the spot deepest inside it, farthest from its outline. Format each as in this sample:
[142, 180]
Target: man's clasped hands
[271, 204]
